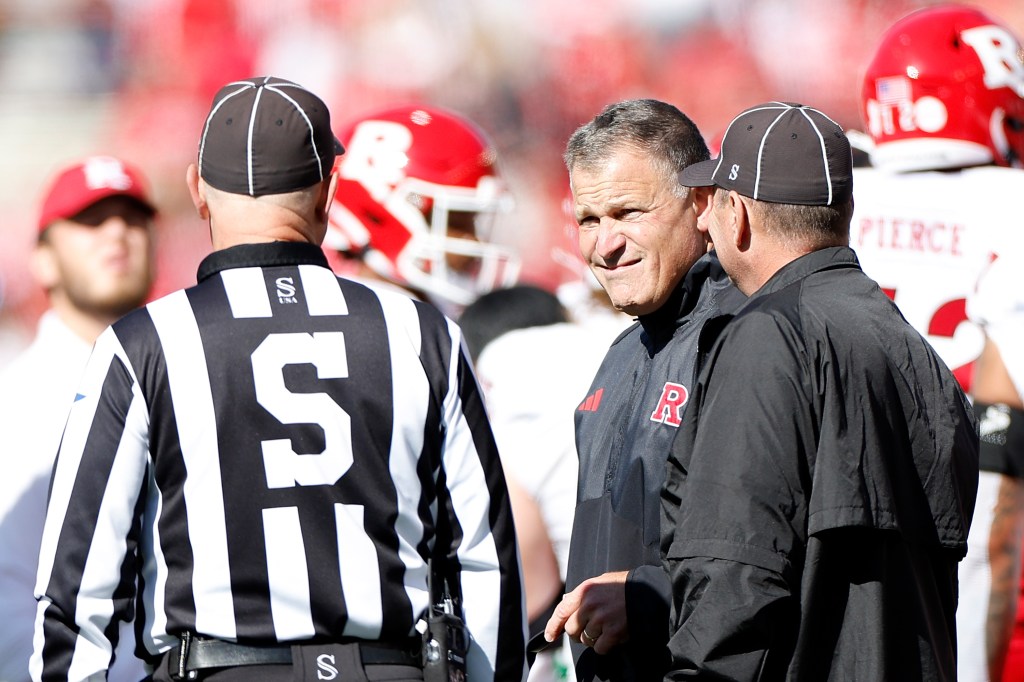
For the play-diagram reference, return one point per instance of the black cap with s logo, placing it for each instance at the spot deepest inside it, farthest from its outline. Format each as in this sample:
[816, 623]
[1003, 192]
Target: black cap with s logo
[782, 153]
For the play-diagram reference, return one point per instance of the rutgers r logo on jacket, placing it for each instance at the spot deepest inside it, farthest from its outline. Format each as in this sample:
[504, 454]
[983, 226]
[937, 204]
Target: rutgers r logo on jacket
[670, 405]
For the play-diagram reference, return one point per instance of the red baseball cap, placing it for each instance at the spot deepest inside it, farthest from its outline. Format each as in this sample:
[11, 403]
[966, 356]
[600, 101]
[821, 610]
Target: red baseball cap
[82, 184]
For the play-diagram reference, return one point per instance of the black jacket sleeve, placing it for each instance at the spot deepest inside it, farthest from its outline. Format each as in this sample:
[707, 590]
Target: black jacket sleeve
[741, 510]
[648, 595]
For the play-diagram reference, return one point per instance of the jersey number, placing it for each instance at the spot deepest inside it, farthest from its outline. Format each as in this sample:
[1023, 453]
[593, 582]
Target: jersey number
[326, 352]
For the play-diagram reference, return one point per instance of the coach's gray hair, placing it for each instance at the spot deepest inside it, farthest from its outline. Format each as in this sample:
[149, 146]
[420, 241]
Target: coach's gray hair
[668, 135]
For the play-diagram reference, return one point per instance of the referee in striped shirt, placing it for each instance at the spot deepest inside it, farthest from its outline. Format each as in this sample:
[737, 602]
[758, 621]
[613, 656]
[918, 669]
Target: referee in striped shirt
[258, 469]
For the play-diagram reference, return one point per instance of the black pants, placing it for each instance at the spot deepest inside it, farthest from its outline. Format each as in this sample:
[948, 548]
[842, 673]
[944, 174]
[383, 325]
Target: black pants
[345, 667]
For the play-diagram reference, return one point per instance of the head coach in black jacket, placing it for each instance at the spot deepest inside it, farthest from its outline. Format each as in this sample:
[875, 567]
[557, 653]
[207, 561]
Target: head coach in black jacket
[820, 491]
[638, 233]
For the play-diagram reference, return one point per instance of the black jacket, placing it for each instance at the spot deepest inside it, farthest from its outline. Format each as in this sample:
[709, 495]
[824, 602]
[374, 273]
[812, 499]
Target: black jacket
[819, 495]
[624, 431]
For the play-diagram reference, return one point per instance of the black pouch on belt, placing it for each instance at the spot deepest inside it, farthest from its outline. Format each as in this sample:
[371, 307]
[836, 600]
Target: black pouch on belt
[445, 639]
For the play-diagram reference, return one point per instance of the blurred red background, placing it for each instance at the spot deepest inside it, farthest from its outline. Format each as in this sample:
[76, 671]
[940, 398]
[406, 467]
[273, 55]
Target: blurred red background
[134, 78]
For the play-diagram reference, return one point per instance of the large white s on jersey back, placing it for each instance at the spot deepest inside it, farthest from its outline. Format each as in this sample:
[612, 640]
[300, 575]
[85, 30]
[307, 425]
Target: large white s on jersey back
[927, 237]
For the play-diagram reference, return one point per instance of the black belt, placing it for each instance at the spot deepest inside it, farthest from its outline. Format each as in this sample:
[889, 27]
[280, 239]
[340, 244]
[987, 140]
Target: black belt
[214, 653]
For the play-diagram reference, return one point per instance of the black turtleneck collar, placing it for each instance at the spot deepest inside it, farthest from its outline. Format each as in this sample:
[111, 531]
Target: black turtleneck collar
[258, 255]
[684, 299]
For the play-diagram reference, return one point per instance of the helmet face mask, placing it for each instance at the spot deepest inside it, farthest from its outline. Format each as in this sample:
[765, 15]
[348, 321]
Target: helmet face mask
[418, 191]
[945, 89]
[448, 255]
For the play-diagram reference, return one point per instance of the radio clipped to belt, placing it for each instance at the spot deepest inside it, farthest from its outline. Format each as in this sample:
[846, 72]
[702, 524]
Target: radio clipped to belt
[445, 638]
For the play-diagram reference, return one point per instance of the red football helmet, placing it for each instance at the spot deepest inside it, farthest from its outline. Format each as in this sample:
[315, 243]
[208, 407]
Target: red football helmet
[945, 89]
[418, 192]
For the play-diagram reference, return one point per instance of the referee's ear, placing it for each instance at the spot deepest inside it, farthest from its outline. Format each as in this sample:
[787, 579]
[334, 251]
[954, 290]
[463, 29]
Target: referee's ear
[198, 196]
[327, 189]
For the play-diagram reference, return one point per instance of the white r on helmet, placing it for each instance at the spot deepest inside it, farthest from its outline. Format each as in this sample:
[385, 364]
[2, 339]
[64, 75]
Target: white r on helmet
[418, 192]
[945, 89]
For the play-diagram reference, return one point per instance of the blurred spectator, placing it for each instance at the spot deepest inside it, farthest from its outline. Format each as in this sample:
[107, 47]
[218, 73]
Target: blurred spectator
[94, 258]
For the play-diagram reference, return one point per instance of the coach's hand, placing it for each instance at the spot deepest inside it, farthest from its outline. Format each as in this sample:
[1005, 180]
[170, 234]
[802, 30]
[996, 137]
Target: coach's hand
[593, 614]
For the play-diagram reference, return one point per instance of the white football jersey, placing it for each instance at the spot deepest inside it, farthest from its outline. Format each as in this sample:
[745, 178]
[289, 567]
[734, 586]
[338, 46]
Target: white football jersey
[928, 237]
[533, 380]
[997, 304]
[932, 241]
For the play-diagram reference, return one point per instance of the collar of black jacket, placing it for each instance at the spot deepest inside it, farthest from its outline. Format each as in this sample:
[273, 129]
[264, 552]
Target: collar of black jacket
[684, 299]
[260, 255]
[829, 258]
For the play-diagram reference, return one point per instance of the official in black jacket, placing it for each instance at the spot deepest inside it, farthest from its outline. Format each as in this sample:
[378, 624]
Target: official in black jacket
[819, 495]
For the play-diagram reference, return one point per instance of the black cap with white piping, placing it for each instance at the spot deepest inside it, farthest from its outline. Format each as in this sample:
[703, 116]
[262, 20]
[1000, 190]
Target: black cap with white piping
[266, 136]
[781, 153]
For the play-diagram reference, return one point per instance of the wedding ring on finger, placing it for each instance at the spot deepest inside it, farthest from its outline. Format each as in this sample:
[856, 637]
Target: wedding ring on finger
[590, 638]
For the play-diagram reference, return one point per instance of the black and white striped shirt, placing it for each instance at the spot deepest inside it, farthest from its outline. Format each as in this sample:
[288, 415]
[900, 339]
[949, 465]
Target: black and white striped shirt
[267, 457]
